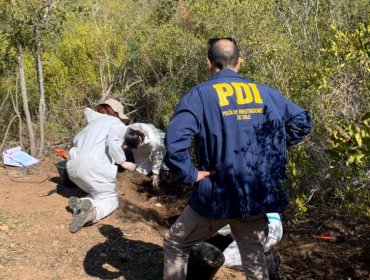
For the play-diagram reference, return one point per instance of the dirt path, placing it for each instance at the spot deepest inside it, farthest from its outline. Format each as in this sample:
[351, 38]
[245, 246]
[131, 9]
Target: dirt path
[35, 242]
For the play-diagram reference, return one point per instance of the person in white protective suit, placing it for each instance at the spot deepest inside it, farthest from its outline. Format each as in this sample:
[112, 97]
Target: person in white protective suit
[147, 145]
[96, 149]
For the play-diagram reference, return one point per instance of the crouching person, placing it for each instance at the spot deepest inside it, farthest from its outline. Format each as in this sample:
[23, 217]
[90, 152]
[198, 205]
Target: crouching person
[147, 145]
[96, 149]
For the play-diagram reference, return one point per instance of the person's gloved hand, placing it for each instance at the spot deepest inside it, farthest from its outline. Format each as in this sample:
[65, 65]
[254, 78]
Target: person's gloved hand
[128, 165]
[155, 180]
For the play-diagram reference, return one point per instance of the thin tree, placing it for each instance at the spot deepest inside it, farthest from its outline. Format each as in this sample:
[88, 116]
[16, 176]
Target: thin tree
[26, 109]
[40, 24]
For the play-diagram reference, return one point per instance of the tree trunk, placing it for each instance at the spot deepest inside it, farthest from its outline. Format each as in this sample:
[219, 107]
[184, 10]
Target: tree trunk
[25, 100]
[42, 106]
[39, 26]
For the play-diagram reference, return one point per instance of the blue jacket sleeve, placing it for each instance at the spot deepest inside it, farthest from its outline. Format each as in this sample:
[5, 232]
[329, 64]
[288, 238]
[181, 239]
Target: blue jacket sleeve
[296, 119]
[184, 124]
[297, 126]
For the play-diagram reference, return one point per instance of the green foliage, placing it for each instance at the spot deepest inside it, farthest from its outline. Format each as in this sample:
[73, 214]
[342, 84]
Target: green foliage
[354, 198]
[351, 144]
[301, 205]
[352, 46]
[349, 149]
[345, 74]
[301, 176]
[339, 96]
[163, 11]
[77, 53]
[350, 52]
[149, 54]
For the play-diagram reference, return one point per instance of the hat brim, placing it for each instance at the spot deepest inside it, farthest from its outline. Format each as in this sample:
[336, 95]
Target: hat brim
[123, 116]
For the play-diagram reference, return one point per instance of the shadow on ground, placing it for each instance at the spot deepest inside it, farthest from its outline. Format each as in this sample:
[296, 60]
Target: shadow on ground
[66, 190]
[120, 256]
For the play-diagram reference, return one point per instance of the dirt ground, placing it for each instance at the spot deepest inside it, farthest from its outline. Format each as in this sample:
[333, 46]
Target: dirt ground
[35, 242]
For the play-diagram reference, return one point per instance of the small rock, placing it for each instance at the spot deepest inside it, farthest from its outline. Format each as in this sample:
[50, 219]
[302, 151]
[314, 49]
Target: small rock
[4, 228]
[158, 205]
[153, 200]
[110, 267]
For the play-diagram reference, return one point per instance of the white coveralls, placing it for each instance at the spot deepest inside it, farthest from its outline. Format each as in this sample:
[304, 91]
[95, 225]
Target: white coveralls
[96, 149]
[149, 156]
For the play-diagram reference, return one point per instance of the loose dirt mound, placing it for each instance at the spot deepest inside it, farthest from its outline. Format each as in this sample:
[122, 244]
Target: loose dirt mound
[35, 242]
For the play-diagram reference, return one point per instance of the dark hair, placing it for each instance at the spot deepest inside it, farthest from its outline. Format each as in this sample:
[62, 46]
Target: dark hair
[133, 138]
[106, 109]
[222, 57]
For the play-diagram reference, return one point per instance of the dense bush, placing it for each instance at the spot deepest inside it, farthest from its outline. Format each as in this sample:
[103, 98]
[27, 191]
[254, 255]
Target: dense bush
[150, 53]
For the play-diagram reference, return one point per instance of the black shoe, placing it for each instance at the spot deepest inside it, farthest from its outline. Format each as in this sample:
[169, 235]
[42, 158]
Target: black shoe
[273, 265]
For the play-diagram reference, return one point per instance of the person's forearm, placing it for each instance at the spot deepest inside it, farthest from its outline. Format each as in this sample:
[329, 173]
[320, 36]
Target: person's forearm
[156, 159]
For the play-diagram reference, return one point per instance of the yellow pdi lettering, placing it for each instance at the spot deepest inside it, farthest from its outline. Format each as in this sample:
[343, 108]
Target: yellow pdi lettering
[256, 94]
[245, 93]
[223, 90]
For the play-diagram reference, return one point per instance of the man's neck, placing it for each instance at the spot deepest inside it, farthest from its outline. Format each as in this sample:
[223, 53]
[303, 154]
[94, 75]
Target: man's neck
[214, 71]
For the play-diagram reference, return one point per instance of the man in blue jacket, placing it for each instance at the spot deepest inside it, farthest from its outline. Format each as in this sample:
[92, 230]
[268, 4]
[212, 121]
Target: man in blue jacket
[241, 131]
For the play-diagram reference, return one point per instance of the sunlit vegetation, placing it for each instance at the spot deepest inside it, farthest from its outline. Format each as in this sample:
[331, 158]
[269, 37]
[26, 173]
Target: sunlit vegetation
[150, 53]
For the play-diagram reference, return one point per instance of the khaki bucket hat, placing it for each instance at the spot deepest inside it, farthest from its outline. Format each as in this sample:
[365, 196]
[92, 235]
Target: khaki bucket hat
[117, 107]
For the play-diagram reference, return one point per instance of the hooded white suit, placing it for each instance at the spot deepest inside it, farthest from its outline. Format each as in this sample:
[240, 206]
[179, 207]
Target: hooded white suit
[149, 156]
[96, 149]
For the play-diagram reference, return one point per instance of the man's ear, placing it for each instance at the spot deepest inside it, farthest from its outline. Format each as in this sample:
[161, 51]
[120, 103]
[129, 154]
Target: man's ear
[211, 68]
[209, 64]
[237, 66]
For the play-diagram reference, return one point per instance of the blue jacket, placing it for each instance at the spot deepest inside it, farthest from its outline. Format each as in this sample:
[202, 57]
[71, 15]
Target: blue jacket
[241, 131]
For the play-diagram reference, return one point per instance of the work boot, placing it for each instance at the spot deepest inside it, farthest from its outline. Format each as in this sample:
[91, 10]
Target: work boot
[86, 213]
[74, 204]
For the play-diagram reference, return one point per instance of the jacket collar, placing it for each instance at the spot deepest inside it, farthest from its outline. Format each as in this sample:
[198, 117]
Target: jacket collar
[225, 73]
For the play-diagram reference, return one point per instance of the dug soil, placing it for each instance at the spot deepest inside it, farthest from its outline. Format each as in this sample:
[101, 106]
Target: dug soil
[35, 242]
